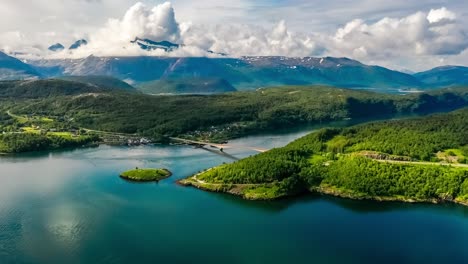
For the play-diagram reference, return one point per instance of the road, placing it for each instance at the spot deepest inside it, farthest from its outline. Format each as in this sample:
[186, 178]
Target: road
[219, 146]
[423, 163]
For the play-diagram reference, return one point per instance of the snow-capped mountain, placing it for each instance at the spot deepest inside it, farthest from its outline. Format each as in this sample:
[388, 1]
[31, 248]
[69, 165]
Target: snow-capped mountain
[242, 73]
[78, 43]
[56, 47]
[148, 44]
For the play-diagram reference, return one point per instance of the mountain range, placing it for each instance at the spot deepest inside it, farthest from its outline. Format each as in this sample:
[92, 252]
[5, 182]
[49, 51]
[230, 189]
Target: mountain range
[240, 73]
[444, 76]
[13, 69]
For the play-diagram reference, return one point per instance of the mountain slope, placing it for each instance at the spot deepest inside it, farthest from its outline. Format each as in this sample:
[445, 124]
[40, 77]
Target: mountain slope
[187, 86]
[394, 160]
[328, 71]
[45, 88]
[14, 69]
[444, 76]
[221, 116]
[242, 73]
[107, 82]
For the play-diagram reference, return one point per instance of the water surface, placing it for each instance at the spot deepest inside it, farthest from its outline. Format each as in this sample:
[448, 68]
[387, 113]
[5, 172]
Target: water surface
[71, 207]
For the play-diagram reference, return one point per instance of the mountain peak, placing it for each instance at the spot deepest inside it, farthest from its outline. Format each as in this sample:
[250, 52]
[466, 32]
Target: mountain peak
[147, 44]
[448, 67]
[78, 44]
[56, 47]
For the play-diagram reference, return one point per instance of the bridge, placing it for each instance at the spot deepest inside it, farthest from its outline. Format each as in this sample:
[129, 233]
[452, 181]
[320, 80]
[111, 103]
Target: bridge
[220, 147]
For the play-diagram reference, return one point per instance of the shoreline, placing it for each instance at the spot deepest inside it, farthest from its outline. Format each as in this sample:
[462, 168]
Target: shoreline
[303, 126]
[236, 190]
[335, 192]
[239, 190]
[51, 150]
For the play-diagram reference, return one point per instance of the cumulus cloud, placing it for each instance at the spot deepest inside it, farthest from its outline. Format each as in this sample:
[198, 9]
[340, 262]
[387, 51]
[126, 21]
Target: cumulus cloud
[241, 40]
[435, 33]
[433, 36]
[11, 40]
[440, 15]
[159, 23]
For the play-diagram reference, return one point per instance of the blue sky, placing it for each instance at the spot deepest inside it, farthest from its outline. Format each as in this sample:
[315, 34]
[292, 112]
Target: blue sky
[395, 33]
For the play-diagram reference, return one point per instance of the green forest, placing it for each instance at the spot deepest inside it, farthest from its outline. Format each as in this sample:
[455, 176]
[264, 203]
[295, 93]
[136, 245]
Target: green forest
[223, 116]
[50, 108]
[27, 142]
[393, 160]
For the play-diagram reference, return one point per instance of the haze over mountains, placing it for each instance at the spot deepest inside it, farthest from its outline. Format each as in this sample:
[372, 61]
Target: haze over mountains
[240, 73]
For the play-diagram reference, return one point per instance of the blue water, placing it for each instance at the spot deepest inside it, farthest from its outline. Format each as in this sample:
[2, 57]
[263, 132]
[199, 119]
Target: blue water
[71, 207]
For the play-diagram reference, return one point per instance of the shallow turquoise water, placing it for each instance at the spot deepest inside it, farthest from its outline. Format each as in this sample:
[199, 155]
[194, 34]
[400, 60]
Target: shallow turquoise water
[71, 207]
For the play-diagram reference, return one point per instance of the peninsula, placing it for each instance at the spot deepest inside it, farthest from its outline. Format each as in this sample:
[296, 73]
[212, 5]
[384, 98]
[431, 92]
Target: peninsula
[411, 160]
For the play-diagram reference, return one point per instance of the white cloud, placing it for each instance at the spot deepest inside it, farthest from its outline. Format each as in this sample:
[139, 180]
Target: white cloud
[10, 40]
[240, 40]
[420, 34]
[440, 15]
[114, 39]
[159, 23]
[416, 40]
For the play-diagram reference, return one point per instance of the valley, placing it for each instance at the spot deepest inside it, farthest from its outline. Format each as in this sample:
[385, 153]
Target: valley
[272, 131]
[90, 107]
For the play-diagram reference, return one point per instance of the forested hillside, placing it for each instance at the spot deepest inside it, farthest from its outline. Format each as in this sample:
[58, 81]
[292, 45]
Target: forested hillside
[27, 142]
[35, 89]
[383, 160]
[187, 86]
[218, 117]
[106, 82]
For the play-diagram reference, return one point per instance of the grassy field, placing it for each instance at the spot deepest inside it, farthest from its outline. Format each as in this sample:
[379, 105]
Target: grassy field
[61, 134]
[31, 130]
[452, 156]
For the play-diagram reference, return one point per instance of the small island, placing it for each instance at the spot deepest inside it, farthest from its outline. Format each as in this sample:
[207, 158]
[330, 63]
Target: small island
[146, 175]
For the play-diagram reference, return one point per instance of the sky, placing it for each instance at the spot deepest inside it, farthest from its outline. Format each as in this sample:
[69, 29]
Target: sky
[399, 34]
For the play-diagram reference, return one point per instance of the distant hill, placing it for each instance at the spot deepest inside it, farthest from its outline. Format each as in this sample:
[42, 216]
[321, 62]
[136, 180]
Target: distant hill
[239, 113]
[50, 88]
[444, 76]
[107, 82]
[14, 69]
[187, 86]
